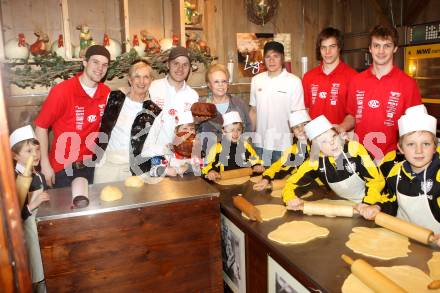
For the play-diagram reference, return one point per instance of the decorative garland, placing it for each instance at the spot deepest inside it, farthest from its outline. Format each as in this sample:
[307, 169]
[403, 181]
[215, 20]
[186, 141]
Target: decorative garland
[49, 67]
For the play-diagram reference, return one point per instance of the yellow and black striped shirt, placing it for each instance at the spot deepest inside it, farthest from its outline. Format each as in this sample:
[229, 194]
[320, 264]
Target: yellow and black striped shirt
[337, 170]
[237, 155]
[289, 162]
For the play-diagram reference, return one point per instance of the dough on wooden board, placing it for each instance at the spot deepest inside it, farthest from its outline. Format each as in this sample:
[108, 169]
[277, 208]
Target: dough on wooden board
[378, 242]
[409, 278]
[434, 266]
[111, 193]
[233, 181]
[255, 179]
[134, 181]
[269, 211]
[297, 232]
[277, 193]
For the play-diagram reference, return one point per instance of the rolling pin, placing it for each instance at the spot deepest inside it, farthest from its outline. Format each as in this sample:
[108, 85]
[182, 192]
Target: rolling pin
[277, 184]
[23, 181]
[237, 173]
[403, 227]
[371, 277]
[325, 209]
[247, 208]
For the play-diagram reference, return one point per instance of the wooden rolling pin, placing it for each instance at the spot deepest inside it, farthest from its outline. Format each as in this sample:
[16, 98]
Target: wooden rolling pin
[247, 208]
[23, 181]
[371, 277]
[403, 227]
[278, 184]
[237, 173]
[329, 210]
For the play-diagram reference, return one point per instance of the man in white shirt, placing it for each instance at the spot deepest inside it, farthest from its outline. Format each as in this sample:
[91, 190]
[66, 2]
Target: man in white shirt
[174, 96]
[275, 93]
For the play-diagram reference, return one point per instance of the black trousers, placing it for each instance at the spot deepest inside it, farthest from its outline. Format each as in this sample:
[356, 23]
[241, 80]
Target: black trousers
[64, 178]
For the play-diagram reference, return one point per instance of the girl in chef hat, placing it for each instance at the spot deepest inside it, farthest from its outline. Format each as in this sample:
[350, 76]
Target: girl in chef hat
[344, 166]
[414, 184]
[24, 144]
[232, 153]
[294, 156]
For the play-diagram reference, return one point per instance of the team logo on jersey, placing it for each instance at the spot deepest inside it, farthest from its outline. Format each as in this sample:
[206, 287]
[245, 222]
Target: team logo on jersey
[172, 112]
[426, 186]
[374, 104]
[322, 95]
[91, 118]
[350, 167]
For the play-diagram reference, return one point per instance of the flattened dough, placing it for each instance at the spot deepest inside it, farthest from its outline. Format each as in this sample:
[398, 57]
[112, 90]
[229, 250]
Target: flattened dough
[277, 193]
[111, 193]
[269, 211]
[134, 181]
[434, 266]
[256, 179]
[409, 278]
[297, 232]
[378, 242]
[234, 181]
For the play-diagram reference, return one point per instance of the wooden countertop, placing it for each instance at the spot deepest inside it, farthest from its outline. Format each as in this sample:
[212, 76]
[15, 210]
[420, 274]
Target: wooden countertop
[316, 264]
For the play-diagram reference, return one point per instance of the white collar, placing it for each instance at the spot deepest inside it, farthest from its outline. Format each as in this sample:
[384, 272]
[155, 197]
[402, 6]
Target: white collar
[19, 168]
[172, 87]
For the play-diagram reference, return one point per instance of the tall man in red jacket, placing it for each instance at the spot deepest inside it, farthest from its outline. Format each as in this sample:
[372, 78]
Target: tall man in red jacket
[325, 86]
[378, 96]
[73, 109]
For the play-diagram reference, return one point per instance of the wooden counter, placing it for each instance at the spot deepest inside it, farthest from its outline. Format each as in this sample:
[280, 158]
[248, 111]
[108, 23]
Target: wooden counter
[317, 264]
[163, 237]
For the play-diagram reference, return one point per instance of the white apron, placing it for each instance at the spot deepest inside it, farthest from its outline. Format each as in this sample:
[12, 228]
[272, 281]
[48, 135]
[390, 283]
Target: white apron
[415, 209]
[352, 188]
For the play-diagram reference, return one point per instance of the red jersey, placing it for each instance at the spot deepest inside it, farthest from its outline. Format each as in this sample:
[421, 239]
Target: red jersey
[327, 94]
[75, 118]
[377, 104]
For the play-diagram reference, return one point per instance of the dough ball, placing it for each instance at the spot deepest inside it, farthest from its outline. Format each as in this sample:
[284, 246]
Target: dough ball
[134, 181]
[111, 193]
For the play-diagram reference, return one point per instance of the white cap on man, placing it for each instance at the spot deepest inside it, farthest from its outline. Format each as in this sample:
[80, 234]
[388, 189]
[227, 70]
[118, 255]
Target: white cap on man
[231, 118]
[419, 109]
[317, 126]
[417, 122]
[20, 134]
[184, 118]
[298, 117]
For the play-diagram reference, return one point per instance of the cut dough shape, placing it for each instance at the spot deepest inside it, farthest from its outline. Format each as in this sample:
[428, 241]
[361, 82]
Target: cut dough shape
[256, 179]
[434, 266]
[134, 181]
[111, 193]
[234, 181]
[297, 232]
[409, 278]
[269, 211]
[277, 193]
[378, 242]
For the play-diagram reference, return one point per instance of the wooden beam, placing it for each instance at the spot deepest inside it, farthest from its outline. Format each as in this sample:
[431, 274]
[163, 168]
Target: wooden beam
[414, 10]
[384, 19]
[125, 22]
[66, 28]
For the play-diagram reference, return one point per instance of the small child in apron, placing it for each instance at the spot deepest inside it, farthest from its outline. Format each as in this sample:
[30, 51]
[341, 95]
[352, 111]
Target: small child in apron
[232, 153]
[24, 144]
[292, 157]
[414, 184]
[343, 165]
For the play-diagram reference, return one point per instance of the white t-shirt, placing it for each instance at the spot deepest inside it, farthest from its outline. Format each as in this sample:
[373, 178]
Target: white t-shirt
[89, 90]
[274, 98]
[172, 103]
[119, 145]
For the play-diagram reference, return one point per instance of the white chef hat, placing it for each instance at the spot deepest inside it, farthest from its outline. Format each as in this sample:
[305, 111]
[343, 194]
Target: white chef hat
[184, 118]
[20, 134]
[317, 126]
[231, 117]
[298, 117]
[417, 122]
[419, 109]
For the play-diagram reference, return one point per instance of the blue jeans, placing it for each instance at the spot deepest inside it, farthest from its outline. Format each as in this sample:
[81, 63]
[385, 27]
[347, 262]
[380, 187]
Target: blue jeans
[268, 156]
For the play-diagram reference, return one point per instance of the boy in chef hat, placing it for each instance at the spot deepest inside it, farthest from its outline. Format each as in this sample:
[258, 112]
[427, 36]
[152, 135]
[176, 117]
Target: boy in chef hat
[232, 153]
[292, 157]
[414, 184]
[23, 144]
[344, 166]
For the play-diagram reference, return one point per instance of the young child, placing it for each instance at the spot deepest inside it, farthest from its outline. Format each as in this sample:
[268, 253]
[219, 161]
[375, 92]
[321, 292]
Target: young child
[344, 166]
[232, 153]
[414, 184]
[294, 156]
[171, 162]
[23, 144]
